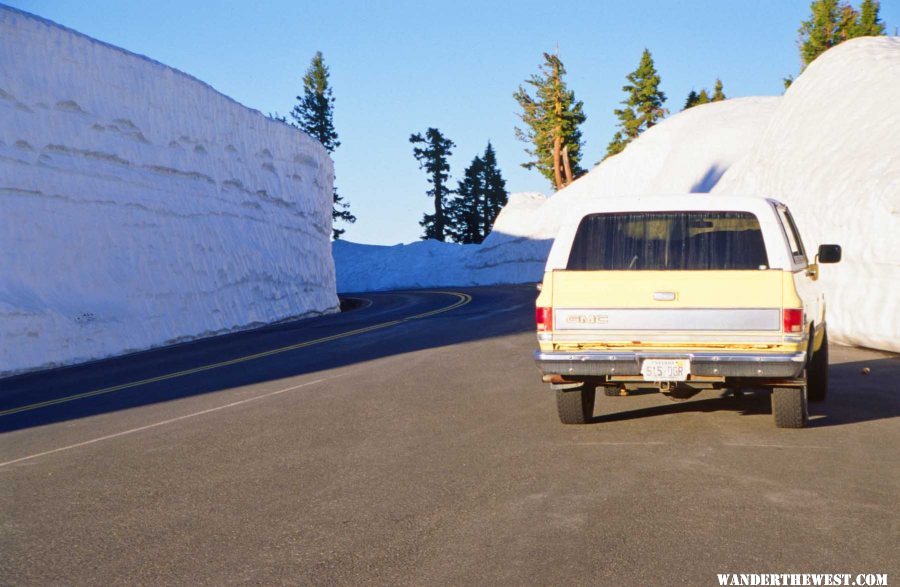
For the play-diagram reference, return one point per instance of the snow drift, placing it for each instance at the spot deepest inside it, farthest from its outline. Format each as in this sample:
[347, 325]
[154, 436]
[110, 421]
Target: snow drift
[139, 207]
[832, 153]
[505, 256]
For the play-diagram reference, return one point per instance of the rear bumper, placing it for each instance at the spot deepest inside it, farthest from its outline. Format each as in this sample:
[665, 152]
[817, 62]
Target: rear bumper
[601, 363]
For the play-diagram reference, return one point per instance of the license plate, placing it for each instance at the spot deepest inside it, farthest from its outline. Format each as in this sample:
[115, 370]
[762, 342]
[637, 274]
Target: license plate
[666, 369]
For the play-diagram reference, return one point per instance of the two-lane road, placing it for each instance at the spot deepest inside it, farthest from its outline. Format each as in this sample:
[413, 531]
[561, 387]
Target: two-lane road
[411, 442]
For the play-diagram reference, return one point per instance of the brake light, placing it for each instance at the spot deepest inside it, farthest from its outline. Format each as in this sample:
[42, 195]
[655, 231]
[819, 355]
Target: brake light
[793, 319]
[544, 319]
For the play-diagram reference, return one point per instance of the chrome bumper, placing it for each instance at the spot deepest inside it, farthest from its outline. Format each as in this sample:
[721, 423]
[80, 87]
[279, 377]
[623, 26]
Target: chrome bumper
[601, 363]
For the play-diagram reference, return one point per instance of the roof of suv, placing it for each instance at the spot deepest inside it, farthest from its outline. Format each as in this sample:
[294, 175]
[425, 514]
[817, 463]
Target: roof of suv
[675, 202]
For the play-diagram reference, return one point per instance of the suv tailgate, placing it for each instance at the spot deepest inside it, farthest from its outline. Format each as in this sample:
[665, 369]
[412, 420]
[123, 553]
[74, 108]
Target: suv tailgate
[684, 308]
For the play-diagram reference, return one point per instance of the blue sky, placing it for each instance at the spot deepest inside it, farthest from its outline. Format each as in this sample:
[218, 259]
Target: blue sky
[398, 67]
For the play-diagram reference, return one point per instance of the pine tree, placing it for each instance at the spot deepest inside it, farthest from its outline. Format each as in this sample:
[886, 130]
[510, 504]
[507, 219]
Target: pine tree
[313, 114]
[703, 98]
[868, 24]
[718, 91]
[643, 104]
[495, 194]
[552, 117]
[480, 196]
[821, 31]
[432, 157]
[464, 212]
[691, 100]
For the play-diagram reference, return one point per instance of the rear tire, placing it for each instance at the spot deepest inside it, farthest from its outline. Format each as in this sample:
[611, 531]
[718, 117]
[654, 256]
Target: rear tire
[576, 406]
[818, 372]
[789, 407]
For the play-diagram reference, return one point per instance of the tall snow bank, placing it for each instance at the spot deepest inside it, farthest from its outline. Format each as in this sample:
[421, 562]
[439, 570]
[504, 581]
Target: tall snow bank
[832, 153]
[138, 206]
[686, 153]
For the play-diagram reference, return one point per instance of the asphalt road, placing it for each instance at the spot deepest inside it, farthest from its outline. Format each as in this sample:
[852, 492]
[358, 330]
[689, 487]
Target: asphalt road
[421, 450]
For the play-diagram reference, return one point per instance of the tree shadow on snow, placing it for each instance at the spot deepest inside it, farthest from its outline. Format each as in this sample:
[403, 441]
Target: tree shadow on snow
[709, 179]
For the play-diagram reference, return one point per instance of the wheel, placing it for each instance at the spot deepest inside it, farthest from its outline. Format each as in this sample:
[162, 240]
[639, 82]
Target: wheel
[789, 407]
[818, 372]
[575, 406]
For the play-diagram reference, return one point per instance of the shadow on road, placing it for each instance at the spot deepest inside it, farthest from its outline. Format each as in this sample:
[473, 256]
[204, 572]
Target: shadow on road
[493, 312]
[853, 397]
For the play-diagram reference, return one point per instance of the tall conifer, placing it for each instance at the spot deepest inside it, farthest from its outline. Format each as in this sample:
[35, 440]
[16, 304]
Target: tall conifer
[465, 210]
[433, 157]
[313, 114]
[495, 194]
[643, 105]
[552, 117]
[480, 196]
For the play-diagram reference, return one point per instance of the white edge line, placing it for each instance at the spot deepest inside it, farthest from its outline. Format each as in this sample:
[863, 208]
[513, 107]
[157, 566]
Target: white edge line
[162, 423]
[753, 445]
[615, 444]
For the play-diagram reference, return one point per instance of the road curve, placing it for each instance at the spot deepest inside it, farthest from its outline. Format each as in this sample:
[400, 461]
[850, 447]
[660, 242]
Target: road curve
[410, 442]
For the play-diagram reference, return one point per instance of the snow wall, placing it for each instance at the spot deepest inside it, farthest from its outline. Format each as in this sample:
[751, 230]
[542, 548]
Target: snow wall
[832, 153]
[829, 148]
[140, 207]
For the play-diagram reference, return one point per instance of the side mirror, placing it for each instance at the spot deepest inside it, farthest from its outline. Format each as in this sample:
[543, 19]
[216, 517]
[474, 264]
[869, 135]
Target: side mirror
[829, 254]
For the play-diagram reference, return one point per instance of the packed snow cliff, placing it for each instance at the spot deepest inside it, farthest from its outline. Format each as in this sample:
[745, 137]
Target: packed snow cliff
[139, 207]
[829, 148]
[832, 153]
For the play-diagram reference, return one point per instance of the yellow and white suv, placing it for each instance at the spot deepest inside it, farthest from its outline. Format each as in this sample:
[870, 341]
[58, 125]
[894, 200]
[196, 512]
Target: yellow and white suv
[683, 293]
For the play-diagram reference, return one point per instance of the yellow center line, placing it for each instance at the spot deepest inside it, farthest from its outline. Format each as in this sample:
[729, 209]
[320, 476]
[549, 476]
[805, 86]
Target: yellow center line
[462, 300]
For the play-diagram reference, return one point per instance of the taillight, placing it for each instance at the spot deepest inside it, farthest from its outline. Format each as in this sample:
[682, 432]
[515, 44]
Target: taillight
[793, 320]
[544, 319]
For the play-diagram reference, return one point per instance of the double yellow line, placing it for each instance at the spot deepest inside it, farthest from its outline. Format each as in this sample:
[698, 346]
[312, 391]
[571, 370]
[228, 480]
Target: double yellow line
[462, 300]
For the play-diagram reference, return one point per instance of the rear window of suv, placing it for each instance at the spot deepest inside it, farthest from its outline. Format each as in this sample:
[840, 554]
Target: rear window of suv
[653, 241]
